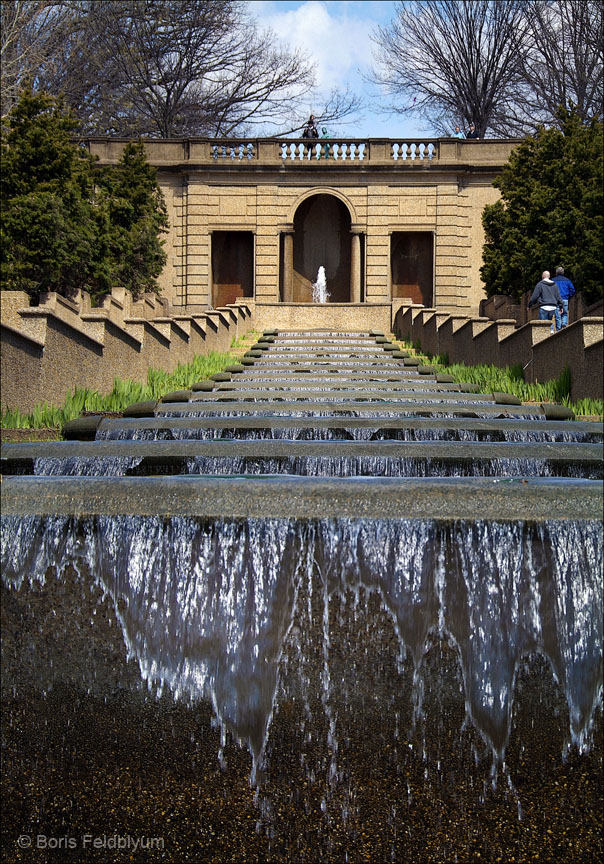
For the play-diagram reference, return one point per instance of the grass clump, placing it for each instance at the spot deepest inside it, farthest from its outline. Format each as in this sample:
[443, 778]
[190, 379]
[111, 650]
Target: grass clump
[124, 393]
[495, 379]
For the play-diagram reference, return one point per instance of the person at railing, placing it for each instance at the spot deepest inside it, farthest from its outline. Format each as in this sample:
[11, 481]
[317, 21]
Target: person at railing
[472, 132]
[325, 148]
[458, 133]
[567, 290]
[310, 130]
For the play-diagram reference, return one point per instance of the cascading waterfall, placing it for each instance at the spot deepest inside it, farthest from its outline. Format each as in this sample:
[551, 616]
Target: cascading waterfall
[201, 433]
[98, 466]
[205, 606]
[394, 679]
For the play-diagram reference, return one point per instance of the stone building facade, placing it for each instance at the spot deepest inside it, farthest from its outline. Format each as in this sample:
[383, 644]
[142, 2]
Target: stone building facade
[387, 219]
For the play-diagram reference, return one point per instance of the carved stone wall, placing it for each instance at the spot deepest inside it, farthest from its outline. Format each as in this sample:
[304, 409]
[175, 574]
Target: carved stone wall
[436, 187]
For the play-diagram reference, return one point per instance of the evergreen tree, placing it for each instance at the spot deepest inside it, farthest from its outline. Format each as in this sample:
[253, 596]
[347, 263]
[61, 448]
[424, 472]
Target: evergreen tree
[550, 212]
[51, 233]
[67, 224]
[137, 214]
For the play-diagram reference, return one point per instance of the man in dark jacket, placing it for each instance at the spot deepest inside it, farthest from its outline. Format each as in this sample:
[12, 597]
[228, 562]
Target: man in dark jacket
[547, 296]
[567, 290]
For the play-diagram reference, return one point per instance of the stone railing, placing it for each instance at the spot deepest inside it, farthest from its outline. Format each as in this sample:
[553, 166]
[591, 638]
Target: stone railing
[49, 349]
[252, 152]
[501, 342]
[501, 306]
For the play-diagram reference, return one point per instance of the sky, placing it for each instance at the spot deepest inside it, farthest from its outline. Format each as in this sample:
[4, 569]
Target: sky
[337, 35]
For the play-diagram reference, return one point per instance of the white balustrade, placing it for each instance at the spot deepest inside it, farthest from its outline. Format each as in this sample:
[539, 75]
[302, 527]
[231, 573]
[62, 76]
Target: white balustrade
[321, 150]
[412, 151]
[234, 151]
[324, 149]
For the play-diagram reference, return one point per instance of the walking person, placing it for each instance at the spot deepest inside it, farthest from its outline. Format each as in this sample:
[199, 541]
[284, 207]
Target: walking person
[472, 132]
[567, 290]
[547, 296]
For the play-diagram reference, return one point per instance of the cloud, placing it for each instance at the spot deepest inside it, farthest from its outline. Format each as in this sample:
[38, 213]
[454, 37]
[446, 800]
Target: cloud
[336, 36]
[328, 33]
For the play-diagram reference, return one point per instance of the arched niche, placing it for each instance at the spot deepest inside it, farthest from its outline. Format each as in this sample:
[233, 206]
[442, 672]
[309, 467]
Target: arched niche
[321, 237]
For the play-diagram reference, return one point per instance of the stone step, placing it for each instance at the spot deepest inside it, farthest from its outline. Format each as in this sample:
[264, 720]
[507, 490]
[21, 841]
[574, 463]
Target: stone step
[294, 382]
[380, 366]
[333, 394]
[309, 407]
[384, 458]
[304, 498]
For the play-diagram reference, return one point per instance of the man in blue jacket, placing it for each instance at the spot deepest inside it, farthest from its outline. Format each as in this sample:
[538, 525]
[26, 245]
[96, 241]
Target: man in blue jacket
[567, 290]
[547, 296]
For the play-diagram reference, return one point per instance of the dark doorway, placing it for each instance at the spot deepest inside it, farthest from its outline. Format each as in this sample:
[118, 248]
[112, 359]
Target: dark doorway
[322, 238]
[232, 266]
[411, 263]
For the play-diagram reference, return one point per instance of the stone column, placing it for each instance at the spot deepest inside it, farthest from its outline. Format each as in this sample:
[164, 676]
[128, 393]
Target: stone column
[288, 267]
[355, 267]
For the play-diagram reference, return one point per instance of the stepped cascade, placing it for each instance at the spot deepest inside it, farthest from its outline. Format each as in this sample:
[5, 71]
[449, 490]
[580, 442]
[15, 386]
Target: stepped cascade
[377, 581]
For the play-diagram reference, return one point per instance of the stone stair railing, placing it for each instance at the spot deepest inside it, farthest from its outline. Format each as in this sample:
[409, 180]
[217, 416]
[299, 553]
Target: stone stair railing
[501, 342]
[49, 349]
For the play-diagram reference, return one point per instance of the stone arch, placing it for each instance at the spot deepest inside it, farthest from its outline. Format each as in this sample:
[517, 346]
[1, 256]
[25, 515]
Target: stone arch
[322, 190]
[321, 236]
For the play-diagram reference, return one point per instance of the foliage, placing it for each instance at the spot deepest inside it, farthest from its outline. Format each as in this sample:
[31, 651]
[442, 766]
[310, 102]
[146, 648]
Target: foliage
[67, 224]
[550, 212]
[137, 215]
[495, 379]
[52, 235]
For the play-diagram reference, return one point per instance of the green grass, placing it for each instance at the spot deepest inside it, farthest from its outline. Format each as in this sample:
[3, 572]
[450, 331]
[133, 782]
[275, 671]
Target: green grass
[494, 379]
[488, 378]
[124, 393]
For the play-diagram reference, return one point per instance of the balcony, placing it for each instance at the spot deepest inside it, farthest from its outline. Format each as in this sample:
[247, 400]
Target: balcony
[298, 153]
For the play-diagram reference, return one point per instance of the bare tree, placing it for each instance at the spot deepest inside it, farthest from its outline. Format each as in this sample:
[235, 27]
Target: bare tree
[454, 63]
[564, 64]
[30, 35]
[181, 68]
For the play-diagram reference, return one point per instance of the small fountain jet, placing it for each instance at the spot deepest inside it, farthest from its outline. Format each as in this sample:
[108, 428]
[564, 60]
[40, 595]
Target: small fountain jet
[320, 293]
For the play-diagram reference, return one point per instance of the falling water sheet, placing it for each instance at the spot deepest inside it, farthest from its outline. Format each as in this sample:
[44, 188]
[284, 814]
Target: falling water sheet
[205, 605]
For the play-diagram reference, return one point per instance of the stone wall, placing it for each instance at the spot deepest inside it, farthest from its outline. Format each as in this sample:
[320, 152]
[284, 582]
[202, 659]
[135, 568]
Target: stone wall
[436, 188]
[49, 349]
[338, 317]
[502, 342]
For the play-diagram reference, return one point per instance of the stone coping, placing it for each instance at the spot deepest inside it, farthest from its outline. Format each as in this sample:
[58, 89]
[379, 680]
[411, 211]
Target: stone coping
[304, 498]
[450, 451]
[538, 424]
